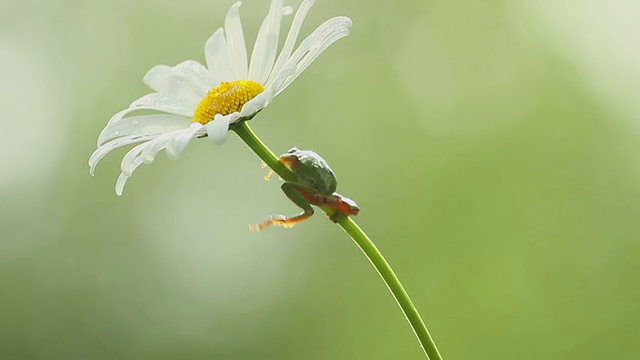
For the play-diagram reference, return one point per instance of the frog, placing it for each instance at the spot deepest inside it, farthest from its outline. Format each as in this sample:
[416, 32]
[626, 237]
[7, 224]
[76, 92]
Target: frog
[315, 184]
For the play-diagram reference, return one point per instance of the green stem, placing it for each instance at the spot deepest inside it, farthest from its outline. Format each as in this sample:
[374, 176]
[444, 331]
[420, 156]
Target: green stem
[393, 283]
[365, 244]
[247, 135]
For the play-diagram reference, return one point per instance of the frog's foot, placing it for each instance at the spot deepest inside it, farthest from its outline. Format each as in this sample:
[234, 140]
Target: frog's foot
[281, 220]
[265, 224]
[268, 176]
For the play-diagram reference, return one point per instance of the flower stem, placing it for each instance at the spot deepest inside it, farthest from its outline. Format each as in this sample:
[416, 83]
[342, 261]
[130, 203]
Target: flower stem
[393, 283]
[365, 244]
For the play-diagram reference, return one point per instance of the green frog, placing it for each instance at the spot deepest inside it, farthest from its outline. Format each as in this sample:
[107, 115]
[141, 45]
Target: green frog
[316, 185]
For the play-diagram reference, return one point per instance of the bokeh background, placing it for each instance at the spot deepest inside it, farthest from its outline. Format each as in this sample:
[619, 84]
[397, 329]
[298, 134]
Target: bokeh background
[493, 146]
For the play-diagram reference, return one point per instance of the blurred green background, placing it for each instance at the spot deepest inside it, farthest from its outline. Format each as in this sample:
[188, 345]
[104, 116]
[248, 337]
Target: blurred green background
[493, 147]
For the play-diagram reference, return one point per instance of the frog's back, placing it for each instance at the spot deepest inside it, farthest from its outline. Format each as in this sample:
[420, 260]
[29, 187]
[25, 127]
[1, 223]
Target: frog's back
[317, 174]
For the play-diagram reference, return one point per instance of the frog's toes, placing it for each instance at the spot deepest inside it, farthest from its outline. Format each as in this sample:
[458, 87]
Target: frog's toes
[265, 224]
[263, 165]
[268, 176]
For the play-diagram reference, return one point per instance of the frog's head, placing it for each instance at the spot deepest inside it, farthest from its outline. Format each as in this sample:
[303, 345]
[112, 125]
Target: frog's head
[353, 207]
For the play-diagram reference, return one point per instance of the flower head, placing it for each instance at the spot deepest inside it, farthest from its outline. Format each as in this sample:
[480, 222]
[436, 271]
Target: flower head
[192, 100]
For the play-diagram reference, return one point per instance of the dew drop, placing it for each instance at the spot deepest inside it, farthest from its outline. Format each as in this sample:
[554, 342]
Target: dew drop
[116, 133]
[135, 122]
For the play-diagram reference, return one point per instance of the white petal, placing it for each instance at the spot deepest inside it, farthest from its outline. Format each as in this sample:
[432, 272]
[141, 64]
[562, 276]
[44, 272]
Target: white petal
[103, 150]
[122, 179]
[277, 81]
[170, 82]
[256, 104]
[120, 114]
[216, 52]
[217, 128]
[292, 36]
[328, 41]
[146, 152]
[177, 144]
[310, 43]
[318, 39]
[127, 166]
[333, 24]
[235, 42]
[197, 73]
[329, 32]
[155, 146]
[143, 125]
[157, 102]
[266, 45]
[164, 103]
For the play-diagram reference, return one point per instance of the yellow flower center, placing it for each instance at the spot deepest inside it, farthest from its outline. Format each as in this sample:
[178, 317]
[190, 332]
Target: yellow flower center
[226, 98]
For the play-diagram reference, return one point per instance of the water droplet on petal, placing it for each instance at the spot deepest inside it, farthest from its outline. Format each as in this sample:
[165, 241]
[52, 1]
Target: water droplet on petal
[135, 122]
[116, 133]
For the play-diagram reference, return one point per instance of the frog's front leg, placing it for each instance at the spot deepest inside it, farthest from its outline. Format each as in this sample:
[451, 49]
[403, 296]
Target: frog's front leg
[299, 195]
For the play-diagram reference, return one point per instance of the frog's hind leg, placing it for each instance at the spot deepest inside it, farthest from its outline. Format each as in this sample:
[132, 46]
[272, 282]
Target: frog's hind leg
[299, 195]
[334, 201]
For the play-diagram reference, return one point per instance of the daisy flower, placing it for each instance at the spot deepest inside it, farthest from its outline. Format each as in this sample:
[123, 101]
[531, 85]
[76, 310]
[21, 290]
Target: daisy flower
[192, 100]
